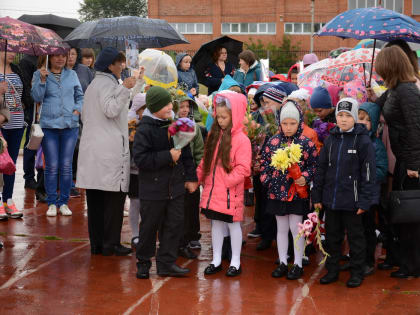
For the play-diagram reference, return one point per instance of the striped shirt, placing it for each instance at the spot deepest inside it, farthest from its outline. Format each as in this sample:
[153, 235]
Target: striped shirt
[57, 76]
[14, 101]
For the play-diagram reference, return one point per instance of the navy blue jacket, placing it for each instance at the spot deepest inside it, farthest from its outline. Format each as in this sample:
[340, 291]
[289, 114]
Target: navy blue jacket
[214, 76]
[345, 176]
[188, 77]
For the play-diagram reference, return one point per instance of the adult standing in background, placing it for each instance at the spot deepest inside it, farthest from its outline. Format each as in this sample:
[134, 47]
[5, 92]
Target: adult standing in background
[218, 69]
[104, 158]
[249, 70]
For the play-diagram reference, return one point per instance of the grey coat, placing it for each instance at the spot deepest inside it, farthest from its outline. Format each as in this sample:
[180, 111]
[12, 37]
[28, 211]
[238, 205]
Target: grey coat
[104, 156]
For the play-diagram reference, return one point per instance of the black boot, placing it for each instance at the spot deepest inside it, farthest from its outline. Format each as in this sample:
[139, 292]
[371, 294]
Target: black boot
[354, 281]
[143, 269]
[330, 277]
[172, 271]
[118, 250]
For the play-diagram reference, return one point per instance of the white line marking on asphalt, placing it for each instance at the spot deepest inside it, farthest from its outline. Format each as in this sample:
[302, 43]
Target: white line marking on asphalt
[25, 273]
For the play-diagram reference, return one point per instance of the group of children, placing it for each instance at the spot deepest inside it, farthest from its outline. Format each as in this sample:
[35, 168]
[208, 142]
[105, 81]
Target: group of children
[344, 171]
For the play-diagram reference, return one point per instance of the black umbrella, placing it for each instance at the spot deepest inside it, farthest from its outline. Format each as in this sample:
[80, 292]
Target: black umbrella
[61, 25]
[203, 56]
[148, 33]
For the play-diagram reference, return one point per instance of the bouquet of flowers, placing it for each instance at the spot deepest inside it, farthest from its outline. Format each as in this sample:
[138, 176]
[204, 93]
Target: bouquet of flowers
[287, 158]
[322, 129]
[311, 229]
[256, 135]
[182, 132]
[271, 125]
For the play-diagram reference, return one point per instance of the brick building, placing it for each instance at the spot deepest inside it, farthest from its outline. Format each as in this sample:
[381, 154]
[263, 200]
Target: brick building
[268, 20]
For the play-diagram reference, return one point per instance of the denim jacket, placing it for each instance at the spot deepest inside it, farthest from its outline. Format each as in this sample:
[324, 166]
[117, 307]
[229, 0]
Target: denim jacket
[59, 99]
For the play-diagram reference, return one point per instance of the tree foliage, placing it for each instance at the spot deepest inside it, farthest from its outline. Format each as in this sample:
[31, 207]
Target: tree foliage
[95, 9]
[281, 57]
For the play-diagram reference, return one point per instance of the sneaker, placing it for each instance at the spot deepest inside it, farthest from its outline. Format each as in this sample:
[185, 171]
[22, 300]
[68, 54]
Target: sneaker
[254, 233]
[194, 245]
[3, 214]
[64, 210]
[12, 211]
[52, 211]
[74, 193]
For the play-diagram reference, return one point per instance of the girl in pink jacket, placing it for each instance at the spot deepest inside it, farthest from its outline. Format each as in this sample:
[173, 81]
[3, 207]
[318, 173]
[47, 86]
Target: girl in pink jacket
[222, 172]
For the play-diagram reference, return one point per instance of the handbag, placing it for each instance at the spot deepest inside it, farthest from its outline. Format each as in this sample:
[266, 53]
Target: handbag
[36, 135]
[7, 166]
[404, 206]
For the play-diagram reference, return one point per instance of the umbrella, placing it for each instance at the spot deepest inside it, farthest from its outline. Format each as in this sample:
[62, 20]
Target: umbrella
[203, 56]
[21, 37]
[338, 51]
[374, 23]
[368, 43]
[159, 68]
[348, 66]
[61, 25]
[147, 33]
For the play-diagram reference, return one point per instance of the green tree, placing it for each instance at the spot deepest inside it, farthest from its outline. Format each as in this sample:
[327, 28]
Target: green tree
[281, 57]
[95, 9]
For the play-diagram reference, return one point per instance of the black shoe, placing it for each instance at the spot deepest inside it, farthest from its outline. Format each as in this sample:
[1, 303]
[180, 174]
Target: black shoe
[264, 244]
[30, 184]
[118, 250]
[173, 271]
[306, 261]
[248, 198]
[41, 197]
[345, 266]
[399, 274]
[385, 266]
[96, 250]
[354, 282]
[186, 253]
[254, 233]
[211, 269]
[295, 273]
[143, 270]
[134, 242]
[74, 193]
[329, 278]
[280, 271]
[233, 272]
[277, 262]
[369, 270]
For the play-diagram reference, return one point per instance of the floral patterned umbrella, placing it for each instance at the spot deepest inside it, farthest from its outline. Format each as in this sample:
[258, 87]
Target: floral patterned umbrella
[349, 66]
[21, 37]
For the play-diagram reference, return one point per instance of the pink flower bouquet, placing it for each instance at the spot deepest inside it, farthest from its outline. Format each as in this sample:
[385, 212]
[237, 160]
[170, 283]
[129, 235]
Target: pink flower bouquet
[182, 132]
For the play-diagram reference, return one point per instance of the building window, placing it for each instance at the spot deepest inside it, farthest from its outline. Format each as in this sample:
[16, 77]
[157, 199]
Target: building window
[395, 5]
[301, 28]
[416, 7]
[248, 28]
[193, 28]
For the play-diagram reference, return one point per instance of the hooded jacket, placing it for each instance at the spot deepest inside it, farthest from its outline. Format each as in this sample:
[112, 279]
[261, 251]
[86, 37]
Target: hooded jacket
[246, 78]
[345, 178]
[224, 192]
[160, 178]
[289, 73]
[188, 77]
[374, 112]
[277, 182]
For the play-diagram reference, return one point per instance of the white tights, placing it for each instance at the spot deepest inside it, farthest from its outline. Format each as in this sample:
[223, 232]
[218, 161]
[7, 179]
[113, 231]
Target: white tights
[134, 216]
[219, 230]
[284, 223]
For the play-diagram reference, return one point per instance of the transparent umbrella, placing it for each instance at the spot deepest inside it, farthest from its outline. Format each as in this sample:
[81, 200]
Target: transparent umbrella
[160, 69]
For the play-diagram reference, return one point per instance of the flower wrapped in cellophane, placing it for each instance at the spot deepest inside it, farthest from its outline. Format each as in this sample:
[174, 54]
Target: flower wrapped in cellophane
[182, 132]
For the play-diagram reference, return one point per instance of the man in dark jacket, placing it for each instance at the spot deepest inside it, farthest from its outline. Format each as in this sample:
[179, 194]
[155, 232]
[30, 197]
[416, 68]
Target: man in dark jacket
[164, 173]
[344, 186]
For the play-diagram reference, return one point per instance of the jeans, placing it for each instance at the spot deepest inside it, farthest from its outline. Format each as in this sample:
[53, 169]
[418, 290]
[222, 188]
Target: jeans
[28, 158]
[58, 147]
[13, 138]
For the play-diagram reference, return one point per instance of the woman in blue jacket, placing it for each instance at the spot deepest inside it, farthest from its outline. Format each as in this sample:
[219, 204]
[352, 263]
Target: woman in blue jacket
[61, 95]
[250, 68]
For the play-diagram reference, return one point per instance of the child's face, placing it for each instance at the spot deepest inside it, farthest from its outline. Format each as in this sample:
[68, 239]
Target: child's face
[165, 113]
[364, 119]
[223, 116]
[269, 103]
[252, 103]
[293, 77]
[345, 121]
[289, 126]
[322, 112]
[184, 109]
[185, 63]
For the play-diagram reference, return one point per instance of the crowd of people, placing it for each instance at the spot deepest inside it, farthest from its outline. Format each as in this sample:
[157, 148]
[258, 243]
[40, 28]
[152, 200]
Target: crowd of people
[106, 132]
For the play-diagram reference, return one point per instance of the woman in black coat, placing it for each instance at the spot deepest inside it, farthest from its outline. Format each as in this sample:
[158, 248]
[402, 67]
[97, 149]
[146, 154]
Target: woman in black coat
[401, 109]
[218, 69]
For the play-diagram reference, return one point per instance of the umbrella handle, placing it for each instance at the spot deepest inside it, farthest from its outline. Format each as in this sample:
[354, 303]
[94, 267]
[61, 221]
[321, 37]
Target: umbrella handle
[46, 63]
[373, 58]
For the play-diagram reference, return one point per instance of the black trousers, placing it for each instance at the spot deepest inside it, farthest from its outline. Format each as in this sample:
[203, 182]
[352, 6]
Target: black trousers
[336, 222]
[369, 226]
[265, 222]
[165, 217]
[105, 217]
[191, 218]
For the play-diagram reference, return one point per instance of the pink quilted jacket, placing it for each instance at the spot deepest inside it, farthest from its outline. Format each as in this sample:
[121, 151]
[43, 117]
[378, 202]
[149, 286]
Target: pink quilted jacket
[224, 192]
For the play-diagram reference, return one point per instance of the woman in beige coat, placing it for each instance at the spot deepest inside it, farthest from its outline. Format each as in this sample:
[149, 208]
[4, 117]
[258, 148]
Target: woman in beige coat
[104, 160]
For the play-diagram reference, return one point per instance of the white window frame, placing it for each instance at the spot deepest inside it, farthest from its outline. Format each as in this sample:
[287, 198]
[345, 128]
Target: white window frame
[415, 13]
[177, 25]
[376, 4]
[302, 25]
[259, 28]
